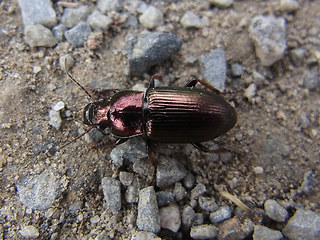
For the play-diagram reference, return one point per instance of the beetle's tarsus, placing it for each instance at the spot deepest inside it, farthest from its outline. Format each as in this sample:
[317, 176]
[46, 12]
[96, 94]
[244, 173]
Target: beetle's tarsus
[121, 140]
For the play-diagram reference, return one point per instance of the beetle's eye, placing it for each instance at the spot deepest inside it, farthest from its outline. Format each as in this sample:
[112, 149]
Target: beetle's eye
[88, 114]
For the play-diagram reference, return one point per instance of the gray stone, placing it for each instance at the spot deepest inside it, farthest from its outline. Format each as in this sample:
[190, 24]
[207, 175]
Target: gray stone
[205, 231]
[79, 34]
[264, 233]
[38, 192]
[198, 219]
[126, 178]
[236, 70]
[309, 183]
[207, 204]
[58, 32]
[198, 190]
[55, 119]
[311, 80]
[297, 56]
[66, 62]
[97, 20]
[191, 20]
[169, 171]
[112, 194]
[214, 68]
[188, 216]
[275, 211]
[148, 213]
[132, 194]
[129, 151]
[236, 228]
[143, 167]
[164, 198]
[29, 232]
[221, 214]
[303, 225]
[289, 5]
[144, 236]
[170, 217]
[189, 180]
[148, 49]
[72, 16]
[268, 34]
[221, 3]
[37, 12]
[109, 5]
[39, 36]
[179, 192]
[151, 18]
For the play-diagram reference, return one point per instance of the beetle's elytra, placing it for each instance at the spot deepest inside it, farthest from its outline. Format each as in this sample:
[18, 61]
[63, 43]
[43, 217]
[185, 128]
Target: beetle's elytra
[163, 114]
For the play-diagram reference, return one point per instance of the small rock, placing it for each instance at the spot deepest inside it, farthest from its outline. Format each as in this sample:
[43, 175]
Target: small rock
[77, 205]
[303, 225]
[221, 3]
[126, 178]
[275, 211]
[179, 192]
[37, 12]
[308, 184]
[170, 217]
[258, 170]
[214, 68]
[66, 62]
[188, 216]
[38, 192]
[289, 5]
[144, 236]
[264, 233]
[148, 213]
[101, 236]
[297, 56]
[132, 194]
[190, 20]
[58, 32]
[106, 6]
[99, 21]
[95, 219]
[55, 119]
[58, 106]
[151, 18]
[236, 70]
[250, 91]
[164, 198]
[268, 34]
[207, 204]
[304, 121]
[221, 214]
[198, 219]
[311, 80]
[143, 167]
[112, 193]
[78, 35]
[36, 69]
[148, 49]
[39, 36]
[206, 231]
[72, 16]
[29, 232]
[198, 191]
[189, 181]
[169, 171]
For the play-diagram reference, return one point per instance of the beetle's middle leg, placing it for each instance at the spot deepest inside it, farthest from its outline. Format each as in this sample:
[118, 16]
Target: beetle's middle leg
[203, 148]
[194, 81]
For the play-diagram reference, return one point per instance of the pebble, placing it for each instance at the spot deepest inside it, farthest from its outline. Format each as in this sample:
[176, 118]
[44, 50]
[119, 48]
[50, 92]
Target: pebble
[250, 91]
[58, 32]
[206, 231]
[311, 80]
[275, 211]
[222, 3]
[303, 225]
[72, 16]
[106, 6]
[151, 18]
[95, 219]
[188, 215]
[144, 236]
[66, 62]
[29, 232]
[198, 190]
[148, 49]
[36, 69]
[189, 181]
[268, 34]
[258, 170]
[132, 194]
[148, 213]
[39, 36]
[126, 178]
[207, 204]
[264, 233]
[169, 171]
[37, 12]
[309, 183]
[143, 167]
[55, 119]
[289, 5]
[112, 193]
[297, 56]
[38, 192]
[58, 106]
[198, 219]
[214, 68]
[170, 217]
[191, 20]
[304, 121]
[129, 151]
[221, 214]
[236, 70]
[79, 34]
[179, 192]
[97, 20]
[165, 198]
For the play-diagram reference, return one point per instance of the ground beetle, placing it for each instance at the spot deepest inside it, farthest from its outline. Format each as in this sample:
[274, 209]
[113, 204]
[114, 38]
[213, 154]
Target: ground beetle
[162, 114]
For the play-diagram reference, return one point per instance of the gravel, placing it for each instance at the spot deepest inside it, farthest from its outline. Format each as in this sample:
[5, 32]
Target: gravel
[275, 211]
[97, 20]
[151, 18]
[264, 233]
[72, 16]
[29, 232]
[112, 194]
[221, 214]
[79, 34]
[39, 36]
[191, 20]
[206, 231]
[170, 217]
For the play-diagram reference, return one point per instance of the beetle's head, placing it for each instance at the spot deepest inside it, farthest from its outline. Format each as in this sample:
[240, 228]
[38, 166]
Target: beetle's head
[97, 114]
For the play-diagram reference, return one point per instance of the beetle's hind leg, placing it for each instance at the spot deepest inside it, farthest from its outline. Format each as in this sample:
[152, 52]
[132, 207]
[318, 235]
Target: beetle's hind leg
[194, 81]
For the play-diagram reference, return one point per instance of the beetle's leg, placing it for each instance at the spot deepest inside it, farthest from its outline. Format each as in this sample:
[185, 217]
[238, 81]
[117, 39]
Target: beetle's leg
[151, 158]
[155, 77]
[106, 93]
[194, 81]
[121, 140]
[203, 148]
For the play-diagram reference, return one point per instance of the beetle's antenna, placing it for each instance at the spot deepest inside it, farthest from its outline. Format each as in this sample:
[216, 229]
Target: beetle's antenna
[76, 138]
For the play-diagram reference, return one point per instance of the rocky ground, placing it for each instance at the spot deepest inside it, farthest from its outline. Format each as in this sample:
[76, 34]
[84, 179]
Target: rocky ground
[266, 53]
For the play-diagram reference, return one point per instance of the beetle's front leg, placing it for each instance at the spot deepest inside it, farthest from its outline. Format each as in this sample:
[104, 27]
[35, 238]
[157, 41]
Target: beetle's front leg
[102, 94]
[194, 81]
[155, 77]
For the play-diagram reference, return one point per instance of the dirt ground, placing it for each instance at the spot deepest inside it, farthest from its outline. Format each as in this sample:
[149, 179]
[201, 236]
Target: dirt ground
[278, 130]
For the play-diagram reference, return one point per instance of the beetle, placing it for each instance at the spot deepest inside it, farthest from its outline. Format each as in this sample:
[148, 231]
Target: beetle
[162, 114]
